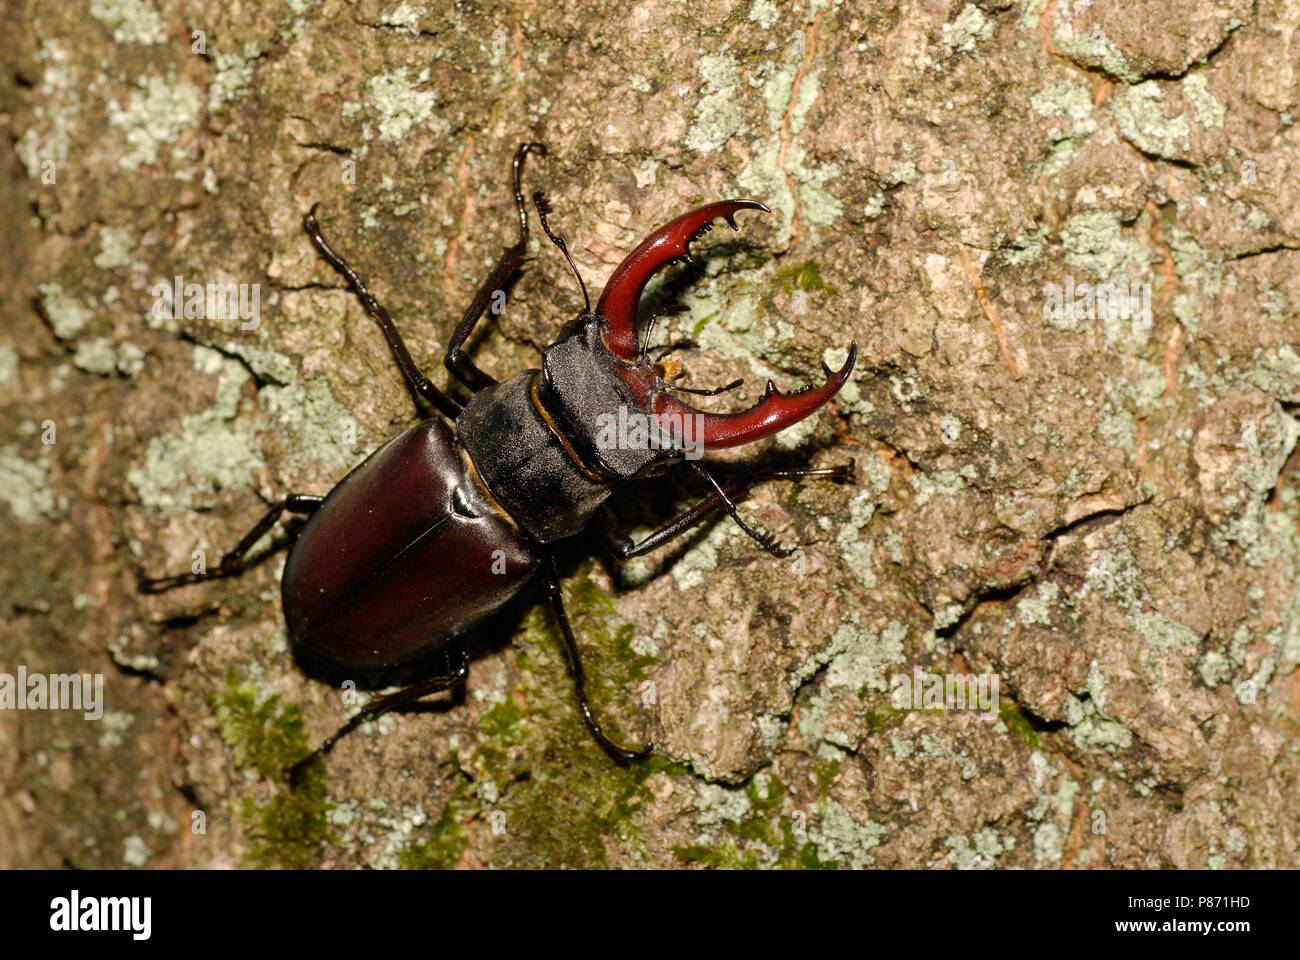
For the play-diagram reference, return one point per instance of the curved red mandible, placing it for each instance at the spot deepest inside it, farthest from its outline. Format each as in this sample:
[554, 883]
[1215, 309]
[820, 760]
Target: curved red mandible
[670, 242]
[773, 413]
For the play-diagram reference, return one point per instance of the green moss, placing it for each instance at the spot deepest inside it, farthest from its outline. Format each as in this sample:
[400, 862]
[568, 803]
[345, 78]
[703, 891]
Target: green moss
[763, 837]
[759, 845]
[535, 746]
[605, 640]
[804, 276]
[260, 734]
[704, 856]
[503, 721]
[589, 604]
[728, 856]
[1017, 722]
[443, 849]
[886, 719]
[287, 830]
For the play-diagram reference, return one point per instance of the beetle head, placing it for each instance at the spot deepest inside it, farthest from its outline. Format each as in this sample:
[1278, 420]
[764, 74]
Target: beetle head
[602, 406]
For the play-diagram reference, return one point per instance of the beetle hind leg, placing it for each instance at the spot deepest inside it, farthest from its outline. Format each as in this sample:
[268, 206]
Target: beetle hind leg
[620, 754]
[457, 671]
[234, 562]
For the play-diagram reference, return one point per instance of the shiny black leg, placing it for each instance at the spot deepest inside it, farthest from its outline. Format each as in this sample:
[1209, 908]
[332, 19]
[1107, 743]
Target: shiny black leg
[457, 361]
[233, 562]
[457, 671]
[619, 753]
[419, 384]
[724, 497]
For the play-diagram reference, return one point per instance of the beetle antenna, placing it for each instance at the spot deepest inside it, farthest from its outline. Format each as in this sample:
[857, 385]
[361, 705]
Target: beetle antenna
[543, 206]
[650, 327]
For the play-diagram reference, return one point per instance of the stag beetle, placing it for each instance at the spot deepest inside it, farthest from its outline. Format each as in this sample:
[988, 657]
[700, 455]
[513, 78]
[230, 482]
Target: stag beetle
[443, 524]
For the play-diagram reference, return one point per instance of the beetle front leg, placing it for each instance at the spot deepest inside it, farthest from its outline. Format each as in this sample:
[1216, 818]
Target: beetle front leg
[457, 671]
[620, 754]
[418, 383]
[723, 498]
[457, 361]
[233, 562]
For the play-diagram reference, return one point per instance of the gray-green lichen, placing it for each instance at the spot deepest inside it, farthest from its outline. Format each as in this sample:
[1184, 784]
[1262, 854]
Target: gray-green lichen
[689, 570]
[977, 851]
[401, 104]
[115, 248]
[24, 485]
[100, 356]
[234, 75]
[1098, 49]
[1142, 122]
[943, 483]
[1095, 241]
[66, 313]
[213, 450]
[856, 658]
[971, 26]
[718, 114]
[1209, 111]
[132, 21]
[839, 836]
[779, 167]
[8, 363]
[1089, 728]
[156, 114]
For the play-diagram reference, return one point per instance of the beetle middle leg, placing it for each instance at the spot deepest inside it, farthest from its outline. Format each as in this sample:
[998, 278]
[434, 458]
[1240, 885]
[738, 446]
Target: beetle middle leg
[619, 753]
[457, 671]
[233, 562]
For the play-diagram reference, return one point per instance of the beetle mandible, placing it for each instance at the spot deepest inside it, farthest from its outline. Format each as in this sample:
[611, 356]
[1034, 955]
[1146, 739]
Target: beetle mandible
[394, 563]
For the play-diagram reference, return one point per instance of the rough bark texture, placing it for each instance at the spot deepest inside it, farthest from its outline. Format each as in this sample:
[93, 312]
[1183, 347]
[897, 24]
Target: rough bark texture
[1098, 505]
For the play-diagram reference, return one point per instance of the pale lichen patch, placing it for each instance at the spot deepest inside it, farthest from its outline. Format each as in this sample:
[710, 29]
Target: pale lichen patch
[155, 115]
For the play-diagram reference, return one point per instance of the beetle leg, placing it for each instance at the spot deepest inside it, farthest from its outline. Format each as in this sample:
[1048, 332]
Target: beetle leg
[233, 562]
[623, 547]
[418, 383]
[457, 671]
[457, 361]
[764, 540]
[620, 754]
